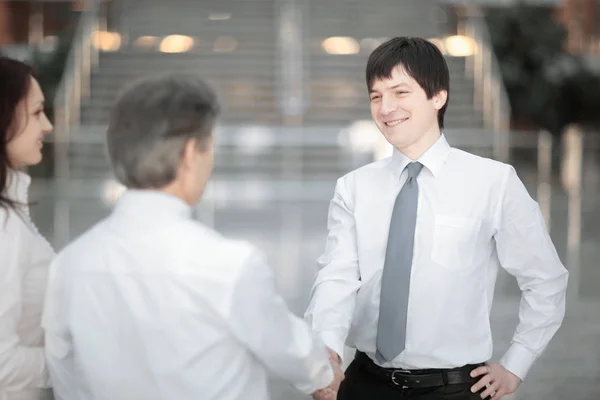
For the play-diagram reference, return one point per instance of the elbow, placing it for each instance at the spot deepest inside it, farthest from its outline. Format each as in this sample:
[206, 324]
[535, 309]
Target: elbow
[345, 270]
[562, 281]
[338, 280]
[553, 281]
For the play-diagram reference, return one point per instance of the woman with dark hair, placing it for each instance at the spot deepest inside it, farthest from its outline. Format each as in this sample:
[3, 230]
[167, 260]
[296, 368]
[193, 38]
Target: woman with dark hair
[24, 254]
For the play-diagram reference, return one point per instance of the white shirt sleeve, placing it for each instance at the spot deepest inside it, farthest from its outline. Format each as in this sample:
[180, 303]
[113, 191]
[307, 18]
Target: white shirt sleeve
[21, 367]
[284, 343]
[526, 251]
[334, 292]
[59, 346]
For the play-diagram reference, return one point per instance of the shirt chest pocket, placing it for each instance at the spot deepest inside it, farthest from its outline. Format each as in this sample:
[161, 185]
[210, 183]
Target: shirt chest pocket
[455, 241]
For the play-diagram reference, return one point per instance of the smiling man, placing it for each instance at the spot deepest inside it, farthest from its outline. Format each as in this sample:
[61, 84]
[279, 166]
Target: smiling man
[414, 246]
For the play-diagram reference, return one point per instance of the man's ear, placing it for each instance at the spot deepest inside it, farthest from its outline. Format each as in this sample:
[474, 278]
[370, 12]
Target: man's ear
[207, 145]
[439, 99]
[189, 155]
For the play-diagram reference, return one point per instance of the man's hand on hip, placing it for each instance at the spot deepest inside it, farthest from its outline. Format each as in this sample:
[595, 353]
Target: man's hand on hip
[498, 380]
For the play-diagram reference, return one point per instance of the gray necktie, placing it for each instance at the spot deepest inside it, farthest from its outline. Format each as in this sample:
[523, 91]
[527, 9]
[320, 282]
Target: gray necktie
[395, 281]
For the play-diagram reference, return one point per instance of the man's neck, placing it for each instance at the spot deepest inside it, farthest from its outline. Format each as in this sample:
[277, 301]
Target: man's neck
[418, 148]
[176, 189]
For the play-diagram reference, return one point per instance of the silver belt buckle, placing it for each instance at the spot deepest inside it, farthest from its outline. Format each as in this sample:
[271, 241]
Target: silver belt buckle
[394, 378]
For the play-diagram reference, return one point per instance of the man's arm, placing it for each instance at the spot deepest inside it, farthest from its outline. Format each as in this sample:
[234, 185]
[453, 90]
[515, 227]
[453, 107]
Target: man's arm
[526, 251]
[59, 347]
[334, 291]
[260, 319]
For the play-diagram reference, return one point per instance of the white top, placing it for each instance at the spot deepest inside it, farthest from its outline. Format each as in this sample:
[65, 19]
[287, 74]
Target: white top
[24, 259]
[473, 215]
[150, 304]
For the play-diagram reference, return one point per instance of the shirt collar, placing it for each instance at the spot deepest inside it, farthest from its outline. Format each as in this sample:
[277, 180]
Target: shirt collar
[18, 186]
[152, 203]
[432, 159]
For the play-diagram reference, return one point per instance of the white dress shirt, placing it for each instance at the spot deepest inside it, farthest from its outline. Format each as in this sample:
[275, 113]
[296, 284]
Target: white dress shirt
[24, 259]
[150, 304]
[473, 215]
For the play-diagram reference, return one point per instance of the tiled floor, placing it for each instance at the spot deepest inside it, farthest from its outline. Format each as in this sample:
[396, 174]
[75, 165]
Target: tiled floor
[292, 235]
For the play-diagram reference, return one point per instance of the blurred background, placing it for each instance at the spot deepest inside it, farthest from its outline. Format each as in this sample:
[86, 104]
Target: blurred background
[525, 89]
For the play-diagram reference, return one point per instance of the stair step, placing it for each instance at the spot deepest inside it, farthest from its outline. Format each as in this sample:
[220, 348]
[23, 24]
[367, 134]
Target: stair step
[247, 79]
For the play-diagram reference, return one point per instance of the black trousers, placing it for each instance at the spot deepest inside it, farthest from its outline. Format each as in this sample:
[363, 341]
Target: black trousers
[360, 384]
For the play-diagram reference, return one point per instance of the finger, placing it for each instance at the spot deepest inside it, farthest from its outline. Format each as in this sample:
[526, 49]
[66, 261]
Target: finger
[483, 370]
[483, 382]
[494, 387]
[499, 394]
[322, 394]
[333, 356]
[329, 395]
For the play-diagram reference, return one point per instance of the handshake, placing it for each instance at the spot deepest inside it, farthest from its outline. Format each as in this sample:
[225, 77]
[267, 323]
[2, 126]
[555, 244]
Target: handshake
[330, 392]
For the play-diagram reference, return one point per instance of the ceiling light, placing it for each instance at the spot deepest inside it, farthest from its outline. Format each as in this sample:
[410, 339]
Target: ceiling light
[176, 44]
[106, 41]
[341, 45]
[460, 46]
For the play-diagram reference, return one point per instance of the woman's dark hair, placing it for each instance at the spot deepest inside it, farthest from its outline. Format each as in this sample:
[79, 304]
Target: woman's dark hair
[15, 80]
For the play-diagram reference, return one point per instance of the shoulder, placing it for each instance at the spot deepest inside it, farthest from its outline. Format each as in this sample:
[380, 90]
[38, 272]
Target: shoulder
[199, 253]
[10, 222]
[376, 168]
[220, 246]
[368, 174]
[12, 245]
[218, 258]
[191, 236]
[474, 166]
[206, 248]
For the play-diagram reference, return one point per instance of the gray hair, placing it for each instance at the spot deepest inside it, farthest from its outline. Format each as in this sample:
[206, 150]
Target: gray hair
[151, 123]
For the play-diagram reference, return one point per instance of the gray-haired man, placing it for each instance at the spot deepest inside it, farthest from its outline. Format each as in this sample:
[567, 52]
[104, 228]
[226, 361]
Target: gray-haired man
[150, 304]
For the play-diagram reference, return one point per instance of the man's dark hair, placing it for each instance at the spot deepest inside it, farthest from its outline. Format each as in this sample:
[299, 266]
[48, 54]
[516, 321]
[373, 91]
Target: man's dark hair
[421, 60]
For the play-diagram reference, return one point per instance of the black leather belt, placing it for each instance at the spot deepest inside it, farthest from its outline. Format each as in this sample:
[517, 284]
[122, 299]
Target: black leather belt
[425, 378]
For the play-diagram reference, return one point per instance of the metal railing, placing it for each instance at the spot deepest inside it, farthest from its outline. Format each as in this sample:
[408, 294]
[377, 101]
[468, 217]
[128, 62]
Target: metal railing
[73, 87]
[489, 91]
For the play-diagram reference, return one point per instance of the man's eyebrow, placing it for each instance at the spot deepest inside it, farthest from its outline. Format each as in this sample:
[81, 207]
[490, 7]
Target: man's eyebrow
[390, 88]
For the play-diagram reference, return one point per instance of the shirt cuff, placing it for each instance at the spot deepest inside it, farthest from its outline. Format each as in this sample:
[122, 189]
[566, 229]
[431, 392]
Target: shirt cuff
[332, 342]
[322, 380]
[320, 375]
[518, 360]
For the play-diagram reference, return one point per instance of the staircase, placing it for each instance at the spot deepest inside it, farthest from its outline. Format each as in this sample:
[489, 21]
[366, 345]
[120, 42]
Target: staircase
[236, 50]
